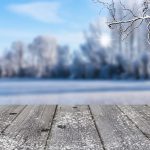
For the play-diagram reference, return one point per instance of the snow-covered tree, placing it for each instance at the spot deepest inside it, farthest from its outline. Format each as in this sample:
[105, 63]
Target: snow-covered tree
[18, 50]
[92, 49]
[145, 65]
[132, 17]
[43, 52]
[77, 68]
[61, 69]
[8, 64]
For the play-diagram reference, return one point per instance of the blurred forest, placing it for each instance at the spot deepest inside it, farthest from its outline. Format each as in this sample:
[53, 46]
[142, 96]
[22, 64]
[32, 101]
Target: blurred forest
[45, 58]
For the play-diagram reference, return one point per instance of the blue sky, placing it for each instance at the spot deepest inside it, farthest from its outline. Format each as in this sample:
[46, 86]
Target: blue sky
[63, 19]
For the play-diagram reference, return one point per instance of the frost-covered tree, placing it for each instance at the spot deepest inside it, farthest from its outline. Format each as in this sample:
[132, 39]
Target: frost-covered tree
[92, 49]
[136, 69]
[1, 66]
[18, 50]
[43, 52]
[77, 67]
[8, 64]
[145, 65]
[132, 17]
[61, 69]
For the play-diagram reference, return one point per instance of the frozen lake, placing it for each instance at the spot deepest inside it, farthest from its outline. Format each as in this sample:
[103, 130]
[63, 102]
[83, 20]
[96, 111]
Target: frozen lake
[74, 92]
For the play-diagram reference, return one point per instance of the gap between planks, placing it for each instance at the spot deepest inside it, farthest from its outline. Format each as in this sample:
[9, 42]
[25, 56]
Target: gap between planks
[49, 133]
[73, 128]
[30, 128]
[137, 120]
[12, 113]
[99, 134]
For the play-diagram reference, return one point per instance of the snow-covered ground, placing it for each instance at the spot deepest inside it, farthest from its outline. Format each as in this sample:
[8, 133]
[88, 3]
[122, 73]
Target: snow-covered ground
[74, 92]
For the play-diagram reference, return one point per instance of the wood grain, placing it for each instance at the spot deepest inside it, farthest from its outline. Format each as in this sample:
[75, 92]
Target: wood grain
[140, 115]
[73, 129]
[31, 128]
[8, 114]
[117, 131]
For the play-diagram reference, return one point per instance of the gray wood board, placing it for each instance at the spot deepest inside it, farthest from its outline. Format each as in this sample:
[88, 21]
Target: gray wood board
[117, 131]
[140, 115]
[73, 129]
[29, 130]
[8, 114]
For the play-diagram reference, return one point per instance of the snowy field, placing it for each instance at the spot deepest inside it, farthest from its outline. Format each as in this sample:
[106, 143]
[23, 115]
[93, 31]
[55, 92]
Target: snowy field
[74, 92]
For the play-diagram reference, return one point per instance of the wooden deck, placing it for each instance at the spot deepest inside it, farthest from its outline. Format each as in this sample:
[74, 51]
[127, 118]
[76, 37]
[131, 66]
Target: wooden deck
[75, 127]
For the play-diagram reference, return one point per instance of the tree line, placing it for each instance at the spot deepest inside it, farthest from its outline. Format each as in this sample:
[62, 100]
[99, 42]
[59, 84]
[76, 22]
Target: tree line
[44, 58]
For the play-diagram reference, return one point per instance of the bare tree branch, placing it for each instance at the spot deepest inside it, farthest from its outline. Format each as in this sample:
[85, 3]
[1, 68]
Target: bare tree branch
[131, 19]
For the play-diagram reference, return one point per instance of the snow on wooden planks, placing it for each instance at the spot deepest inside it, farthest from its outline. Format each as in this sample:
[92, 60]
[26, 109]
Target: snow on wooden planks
[29, 130]
[73, 129]
[140, 115]
[8, 114]
[117, 131]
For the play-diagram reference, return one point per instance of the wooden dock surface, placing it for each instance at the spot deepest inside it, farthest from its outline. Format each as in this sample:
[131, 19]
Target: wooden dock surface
[96, 127]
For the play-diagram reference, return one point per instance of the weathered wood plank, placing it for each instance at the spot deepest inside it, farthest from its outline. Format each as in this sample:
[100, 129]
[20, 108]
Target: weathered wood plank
[144, 110]
[117, 131]
[73, 129]
[8, 114]
[140, 115]
[30, 129]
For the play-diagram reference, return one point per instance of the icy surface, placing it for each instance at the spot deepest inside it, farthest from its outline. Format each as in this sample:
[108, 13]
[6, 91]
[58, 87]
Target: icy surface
[74, 92]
